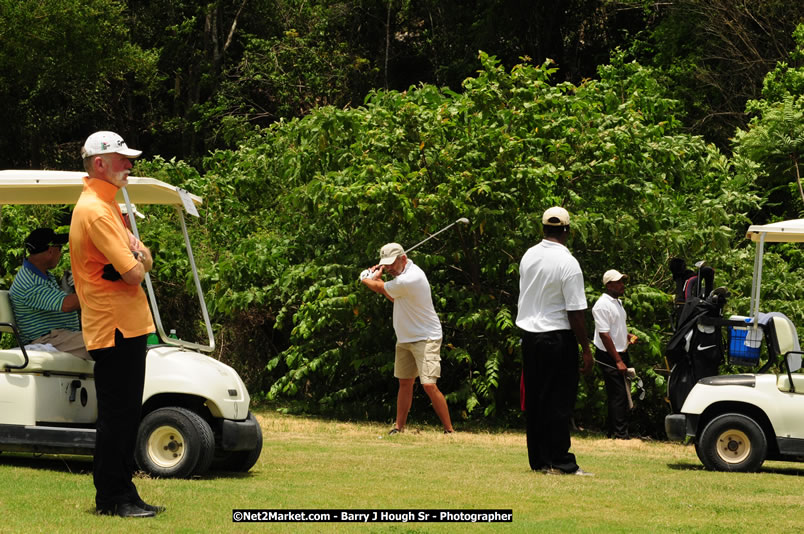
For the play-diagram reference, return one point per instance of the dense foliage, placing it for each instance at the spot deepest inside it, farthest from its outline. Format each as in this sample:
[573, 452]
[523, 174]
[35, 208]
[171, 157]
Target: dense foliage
[294, 215]
[715, 55]
[774, 141]
[67, 65]
[182, 78]
[317, 183]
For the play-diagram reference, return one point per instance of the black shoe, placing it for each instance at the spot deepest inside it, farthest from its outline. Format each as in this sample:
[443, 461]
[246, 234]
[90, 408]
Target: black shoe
[156, 509]
[126, 510]
[577, 472]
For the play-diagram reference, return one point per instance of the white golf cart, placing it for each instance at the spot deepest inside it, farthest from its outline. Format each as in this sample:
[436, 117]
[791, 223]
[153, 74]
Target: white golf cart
[195, 408]
[739, 421]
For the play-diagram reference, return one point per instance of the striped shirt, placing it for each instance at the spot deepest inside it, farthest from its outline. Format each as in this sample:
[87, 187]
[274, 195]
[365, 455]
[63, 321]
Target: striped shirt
[36, 298]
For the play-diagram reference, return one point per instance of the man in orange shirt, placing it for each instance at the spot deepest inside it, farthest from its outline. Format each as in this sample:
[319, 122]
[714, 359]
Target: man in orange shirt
[109, 266]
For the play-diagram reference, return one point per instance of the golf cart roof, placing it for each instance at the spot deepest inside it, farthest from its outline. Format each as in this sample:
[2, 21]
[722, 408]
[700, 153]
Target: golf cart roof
[778, 232]
[64, 187]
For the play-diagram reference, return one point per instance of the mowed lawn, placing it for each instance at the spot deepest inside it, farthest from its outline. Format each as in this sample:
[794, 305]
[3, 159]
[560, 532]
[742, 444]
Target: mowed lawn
[317, 464]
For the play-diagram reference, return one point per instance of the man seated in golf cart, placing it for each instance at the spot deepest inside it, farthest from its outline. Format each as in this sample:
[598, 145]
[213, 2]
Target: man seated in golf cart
[44, 313]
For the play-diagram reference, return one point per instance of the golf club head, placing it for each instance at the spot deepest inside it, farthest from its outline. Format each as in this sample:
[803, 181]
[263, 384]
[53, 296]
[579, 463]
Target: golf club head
[463, 220]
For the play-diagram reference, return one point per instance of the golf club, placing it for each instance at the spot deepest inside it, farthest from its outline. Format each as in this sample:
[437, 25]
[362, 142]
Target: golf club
[463, 220]
[630, 376]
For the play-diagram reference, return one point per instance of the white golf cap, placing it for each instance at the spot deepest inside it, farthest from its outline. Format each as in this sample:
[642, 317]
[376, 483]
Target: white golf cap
[613, 275]
[107, 143]
[390, 252]
[555, 216]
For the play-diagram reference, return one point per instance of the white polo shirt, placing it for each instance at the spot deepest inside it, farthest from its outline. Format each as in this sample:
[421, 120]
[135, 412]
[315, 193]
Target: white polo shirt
[610, 317]
[550, 285]
[415, 318]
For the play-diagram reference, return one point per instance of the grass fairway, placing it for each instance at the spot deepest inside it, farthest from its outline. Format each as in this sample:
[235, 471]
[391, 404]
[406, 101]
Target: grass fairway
[311, 463]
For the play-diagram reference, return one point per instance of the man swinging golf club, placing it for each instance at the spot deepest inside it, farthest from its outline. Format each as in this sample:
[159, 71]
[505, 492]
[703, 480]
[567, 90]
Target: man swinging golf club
[417, 328]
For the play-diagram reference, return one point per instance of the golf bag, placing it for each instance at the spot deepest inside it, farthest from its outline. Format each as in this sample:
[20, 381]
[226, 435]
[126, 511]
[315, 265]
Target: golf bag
[695, 349]
[689, 284]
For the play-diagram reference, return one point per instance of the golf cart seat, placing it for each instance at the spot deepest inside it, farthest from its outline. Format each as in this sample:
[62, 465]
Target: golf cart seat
[45, 362]
[784, 340]
[37, 361]
[783, 383]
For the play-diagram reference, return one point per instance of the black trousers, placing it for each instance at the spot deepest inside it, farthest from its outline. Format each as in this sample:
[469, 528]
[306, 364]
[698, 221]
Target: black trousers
[616, 394]
[550, 365]
[119, 381]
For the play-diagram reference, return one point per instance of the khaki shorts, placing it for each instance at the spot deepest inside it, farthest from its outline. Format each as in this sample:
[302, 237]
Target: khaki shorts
[420, 358]
[66, 341]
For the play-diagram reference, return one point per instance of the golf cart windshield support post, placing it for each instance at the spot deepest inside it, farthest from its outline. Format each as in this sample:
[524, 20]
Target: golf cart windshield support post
[211, 346]
[757, 280]
[152, 296]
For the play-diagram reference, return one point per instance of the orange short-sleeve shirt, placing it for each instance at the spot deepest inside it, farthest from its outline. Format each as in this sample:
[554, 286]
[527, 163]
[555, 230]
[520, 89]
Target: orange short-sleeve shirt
[98, 237]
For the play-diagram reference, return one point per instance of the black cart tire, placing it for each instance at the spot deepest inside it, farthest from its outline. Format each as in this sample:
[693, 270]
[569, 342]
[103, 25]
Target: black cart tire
[732, 442]
[699, 451]
[174, 442]
[241, 461]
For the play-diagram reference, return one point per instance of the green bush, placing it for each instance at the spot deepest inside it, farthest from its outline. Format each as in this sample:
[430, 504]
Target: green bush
[300, 208]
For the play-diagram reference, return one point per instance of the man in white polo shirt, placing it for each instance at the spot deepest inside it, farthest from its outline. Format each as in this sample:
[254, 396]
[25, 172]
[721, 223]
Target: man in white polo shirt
[418, 331]
[551, 316]
[611, 343]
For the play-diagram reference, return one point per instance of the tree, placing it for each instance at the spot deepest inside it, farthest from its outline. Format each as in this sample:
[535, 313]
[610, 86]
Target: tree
[287, 75]
[716, 54]
[68, 69]
[774, 139]
[301, 207]
[194, 43]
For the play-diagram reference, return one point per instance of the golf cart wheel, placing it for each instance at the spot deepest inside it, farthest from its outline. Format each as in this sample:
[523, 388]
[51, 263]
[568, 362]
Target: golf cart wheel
[699, 451]
[240, 461]
[174, 443]
[732, 442]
